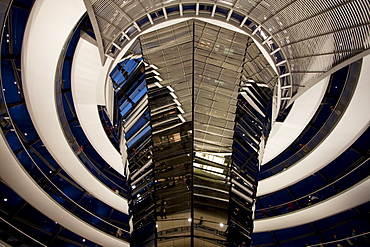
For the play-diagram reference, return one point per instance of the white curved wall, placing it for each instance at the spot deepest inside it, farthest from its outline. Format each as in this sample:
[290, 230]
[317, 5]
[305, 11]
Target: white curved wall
[51, 22]
[18, 180]
[304, 108]
[48, 27]
[353, 123]
[346, 200]
[88, 87]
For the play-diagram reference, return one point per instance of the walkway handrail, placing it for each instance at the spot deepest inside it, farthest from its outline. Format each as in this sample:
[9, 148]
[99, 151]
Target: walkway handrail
[340, 240]
[314, 192]
[330, 123]
[63, 119]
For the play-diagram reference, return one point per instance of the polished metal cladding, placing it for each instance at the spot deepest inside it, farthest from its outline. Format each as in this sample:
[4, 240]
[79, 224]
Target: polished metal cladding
[211, 70]
[194, 140]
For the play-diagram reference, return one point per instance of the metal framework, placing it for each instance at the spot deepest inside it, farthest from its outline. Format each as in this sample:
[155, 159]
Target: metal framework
[303, 46]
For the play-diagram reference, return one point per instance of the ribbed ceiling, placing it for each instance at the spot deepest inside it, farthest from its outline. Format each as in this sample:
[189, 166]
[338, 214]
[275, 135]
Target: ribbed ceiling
[304, 38]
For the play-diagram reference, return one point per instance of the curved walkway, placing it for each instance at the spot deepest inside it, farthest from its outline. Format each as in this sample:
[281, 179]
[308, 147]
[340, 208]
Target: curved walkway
[88, 87]
[42, 45]
[304, 108]
[18, 180]
[346, 200]
[352, 124]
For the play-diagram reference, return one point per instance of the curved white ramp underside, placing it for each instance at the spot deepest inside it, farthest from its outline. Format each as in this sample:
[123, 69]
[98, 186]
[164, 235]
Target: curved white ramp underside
[353, 123]
[346, 200]
[18, 180]
[88, 87]
[49, 24]
[283, 134]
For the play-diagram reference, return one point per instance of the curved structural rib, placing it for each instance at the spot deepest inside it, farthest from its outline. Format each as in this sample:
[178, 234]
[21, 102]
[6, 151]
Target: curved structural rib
[88, 92]
[18, 179]
[49, 24]
[353, 123]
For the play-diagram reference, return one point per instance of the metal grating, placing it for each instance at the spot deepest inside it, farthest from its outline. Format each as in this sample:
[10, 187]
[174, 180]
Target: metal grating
[310, 37]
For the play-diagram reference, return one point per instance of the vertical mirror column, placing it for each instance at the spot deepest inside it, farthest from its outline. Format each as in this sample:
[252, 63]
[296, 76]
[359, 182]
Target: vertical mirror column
[251, 131]
[131, 102]
[207, 119]
[218, 59]
[172, 148]
[168, 55]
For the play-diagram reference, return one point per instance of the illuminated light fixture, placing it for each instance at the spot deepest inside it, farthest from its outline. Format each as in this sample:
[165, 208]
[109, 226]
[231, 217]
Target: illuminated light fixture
[83, 240]
[221, 224]
[156, 225]
[158, 84]
[5, 199]
[173, 95]
[181, 110]
[181, 118]
[177, 102]
[189, 219]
